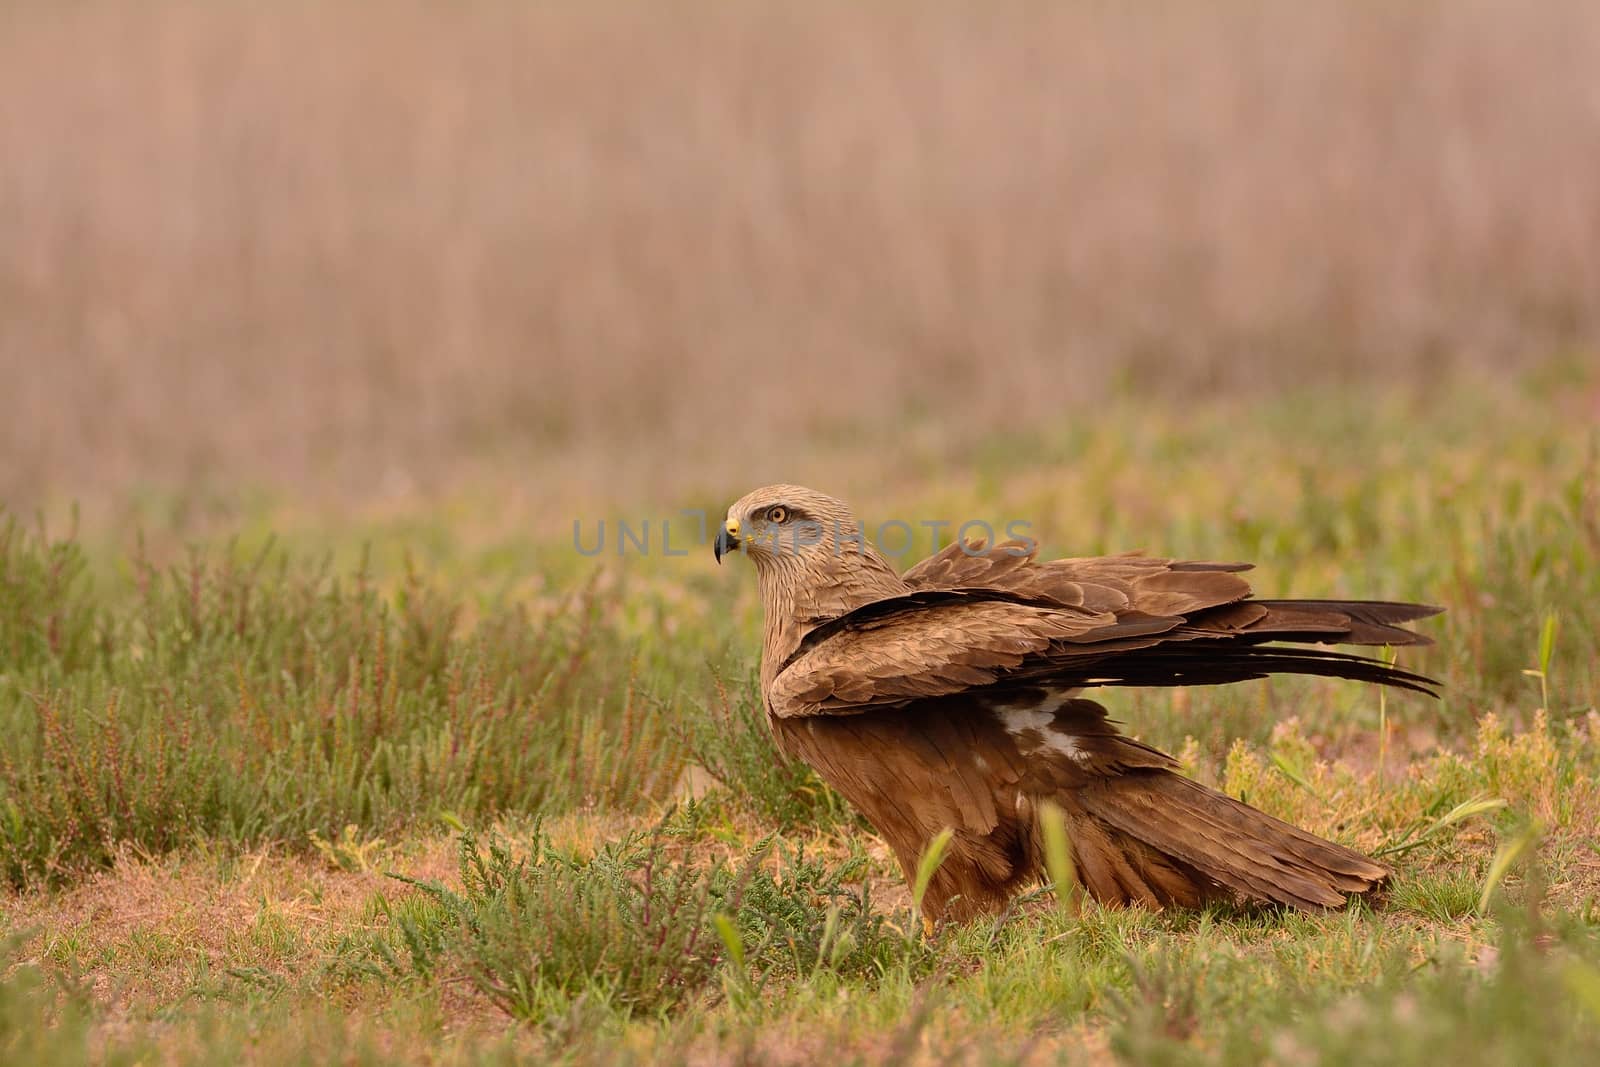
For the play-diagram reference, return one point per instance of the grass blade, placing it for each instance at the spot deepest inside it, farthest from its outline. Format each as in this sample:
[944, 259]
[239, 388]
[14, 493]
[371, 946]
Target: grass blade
[729, 935]
[1547, 641]
[1058, 856]
[927, 867]
[1464, 810]
[1509, 853]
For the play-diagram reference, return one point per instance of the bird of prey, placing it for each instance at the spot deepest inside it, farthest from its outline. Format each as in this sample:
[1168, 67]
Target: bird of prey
[949, 697]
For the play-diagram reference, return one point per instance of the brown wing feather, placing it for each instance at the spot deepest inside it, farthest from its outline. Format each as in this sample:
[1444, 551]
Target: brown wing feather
[935, 649]
[1110, 620]
[1159, 586]
[1101, 582]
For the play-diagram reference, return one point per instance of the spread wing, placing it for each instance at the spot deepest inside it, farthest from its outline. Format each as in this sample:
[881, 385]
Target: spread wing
[1164, 586]
[999, 621]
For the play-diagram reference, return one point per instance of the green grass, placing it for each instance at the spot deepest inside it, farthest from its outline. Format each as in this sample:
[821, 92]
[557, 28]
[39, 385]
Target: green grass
[264, 699]
[640, 928]
[414, 788]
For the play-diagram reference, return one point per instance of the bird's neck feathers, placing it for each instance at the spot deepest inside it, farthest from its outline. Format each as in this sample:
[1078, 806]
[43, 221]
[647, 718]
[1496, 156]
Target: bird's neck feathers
[801, 592]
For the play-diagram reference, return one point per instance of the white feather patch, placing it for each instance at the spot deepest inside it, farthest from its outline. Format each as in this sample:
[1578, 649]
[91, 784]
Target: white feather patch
[1033, 726]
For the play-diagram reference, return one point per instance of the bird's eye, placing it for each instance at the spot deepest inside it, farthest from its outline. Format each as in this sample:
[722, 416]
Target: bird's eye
[777, 513]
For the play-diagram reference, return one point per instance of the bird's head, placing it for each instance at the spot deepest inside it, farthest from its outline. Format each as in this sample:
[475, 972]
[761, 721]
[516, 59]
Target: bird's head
[781, 525]
[813, 563]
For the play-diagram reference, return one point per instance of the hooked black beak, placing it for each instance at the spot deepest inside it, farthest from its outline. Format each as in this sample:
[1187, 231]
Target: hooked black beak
[726, 542]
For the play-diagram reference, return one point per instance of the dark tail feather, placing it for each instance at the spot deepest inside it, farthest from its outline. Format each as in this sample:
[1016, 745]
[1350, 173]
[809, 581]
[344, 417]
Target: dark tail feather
[1340, 622]
[1174, 842]
[1214, 662]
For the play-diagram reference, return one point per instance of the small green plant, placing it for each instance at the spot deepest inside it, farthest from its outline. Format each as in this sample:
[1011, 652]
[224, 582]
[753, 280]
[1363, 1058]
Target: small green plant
[731, 741]
[348, 852]
[644, 926]
[1445, 896]
[1547, 651]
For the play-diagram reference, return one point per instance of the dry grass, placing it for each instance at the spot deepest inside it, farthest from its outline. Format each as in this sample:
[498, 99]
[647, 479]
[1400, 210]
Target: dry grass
[303, 245]
[281, 936]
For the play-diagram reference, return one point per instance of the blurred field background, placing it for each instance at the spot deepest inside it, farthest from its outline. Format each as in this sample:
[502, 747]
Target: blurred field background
[658, 248]
[321, 324]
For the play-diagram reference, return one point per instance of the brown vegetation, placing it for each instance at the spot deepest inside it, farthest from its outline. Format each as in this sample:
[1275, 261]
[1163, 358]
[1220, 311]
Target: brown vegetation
[304, 245]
